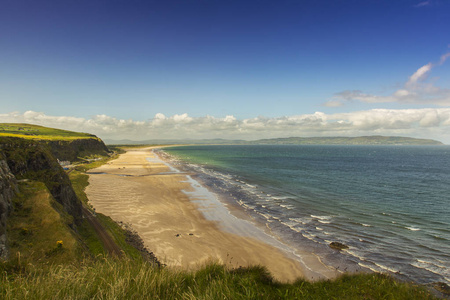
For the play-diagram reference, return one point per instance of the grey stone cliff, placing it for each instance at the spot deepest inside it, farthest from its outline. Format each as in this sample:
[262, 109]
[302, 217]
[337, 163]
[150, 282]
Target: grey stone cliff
[8, 188]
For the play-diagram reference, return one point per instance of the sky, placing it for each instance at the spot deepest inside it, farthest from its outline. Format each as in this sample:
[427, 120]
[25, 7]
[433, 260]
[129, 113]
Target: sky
[248, 69]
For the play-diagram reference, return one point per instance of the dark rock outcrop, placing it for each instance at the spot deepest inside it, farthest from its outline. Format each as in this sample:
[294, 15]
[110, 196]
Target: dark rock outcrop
[29, 159]
[338, 246]
[8, 188]
[72, 150]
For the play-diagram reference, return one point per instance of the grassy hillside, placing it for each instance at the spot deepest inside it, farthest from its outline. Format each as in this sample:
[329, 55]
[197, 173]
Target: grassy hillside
[28, 131]
[39, 229]
[38, 223]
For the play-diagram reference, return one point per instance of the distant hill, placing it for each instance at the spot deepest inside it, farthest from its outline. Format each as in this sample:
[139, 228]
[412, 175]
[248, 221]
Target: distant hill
[362, 140]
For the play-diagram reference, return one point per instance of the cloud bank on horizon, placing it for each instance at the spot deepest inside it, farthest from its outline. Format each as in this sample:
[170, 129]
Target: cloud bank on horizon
[421, 123]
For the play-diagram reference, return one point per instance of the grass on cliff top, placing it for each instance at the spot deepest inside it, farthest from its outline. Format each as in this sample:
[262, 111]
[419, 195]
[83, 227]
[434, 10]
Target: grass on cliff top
[29, 131]
[110, 278]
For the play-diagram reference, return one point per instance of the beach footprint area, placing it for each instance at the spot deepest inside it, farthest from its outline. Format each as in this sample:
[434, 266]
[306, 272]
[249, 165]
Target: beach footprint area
[141, 190]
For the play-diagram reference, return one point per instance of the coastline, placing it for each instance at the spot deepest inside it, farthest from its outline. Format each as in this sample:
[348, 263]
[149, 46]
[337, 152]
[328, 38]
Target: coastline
[183, 225]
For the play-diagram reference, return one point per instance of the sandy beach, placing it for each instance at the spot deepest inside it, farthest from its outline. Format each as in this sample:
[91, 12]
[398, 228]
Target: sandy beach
[140, 189]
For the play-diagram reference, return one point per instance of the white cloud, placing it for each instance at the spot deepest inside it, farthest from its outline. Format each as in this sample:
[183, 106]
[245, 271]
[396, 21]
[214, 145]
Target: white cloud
[424, 3]
[333, 103]
[422, 123]
[444, 58]
[419, 75]
[416, 90]
[360, 96]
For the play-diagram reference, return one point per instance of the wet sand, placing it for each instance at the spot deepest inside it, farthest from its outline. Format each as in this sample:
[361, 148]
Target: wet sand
[139, 189]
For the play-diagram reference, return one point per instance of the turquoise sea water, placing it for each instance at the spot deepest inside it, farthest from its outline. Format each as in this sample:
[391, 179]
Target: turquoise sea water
[389, 204]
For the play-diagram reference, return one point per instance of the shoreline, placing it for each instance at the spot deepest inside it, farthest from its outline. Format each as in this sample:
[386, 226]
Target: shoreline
[235, 220]
[303, 213]
[162, 205]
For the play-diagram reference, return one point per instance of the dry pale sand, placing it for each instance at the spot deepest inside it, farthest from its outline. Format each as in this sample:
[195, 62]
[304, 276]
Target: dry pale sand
[145, 194]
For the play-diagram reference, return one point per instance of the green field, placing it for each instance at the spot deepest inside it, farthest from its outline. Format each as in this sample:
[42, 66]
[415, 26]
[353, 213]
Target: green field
[28, 131]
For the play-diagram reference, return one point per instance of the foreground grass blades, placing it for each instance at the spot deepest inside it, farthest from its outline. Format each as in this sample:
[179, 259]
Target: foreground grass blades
[108, 278]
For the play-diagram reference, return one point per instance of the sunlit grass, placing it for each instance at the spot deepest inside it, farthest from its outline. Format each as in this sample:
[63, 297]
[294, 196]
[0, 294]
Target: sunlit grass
[38, 227]
[108, 278]
[29, 131]
[47, 138]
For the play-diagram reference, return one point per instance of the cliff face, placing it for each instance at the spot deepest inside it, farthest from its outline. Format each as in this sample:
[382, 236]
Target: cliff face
[28, 159]
[8, 188]
[71, 150]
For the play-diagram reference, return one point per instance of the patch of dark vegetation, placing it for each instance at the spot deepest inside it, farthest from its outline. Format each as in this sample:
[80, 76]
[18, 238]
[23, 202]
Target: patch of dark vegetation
[442, 287]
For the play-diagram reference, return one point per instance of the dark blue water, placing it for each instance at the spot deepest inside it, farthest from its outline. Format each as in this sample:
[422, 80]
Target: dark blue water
[389, 204]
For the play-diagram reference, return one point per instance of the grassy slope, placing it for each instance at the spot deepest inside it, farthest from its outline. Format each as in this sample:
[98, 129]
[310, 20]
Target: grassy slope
[37, 218]
[29, 131]
[35, 227]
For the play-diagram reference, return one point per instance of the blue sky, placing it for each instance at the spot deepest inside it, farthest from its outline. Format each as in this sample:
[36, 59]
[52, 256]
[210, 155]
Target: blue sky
[178, 64]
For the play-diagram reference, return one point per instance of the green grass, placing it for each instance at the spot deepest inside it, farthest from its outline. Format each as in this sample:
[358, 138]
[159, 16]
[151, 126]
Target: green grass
[109, 278]
[119, 236]
[28, 131]
[81, 168]
[35, 227]
[37, 222]
[91, 240]
[79, 182]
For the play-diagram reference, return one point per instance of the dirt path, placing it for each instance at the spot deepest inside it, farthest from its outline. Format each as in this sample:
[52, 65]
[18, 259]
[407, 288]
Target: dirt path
[104, 236]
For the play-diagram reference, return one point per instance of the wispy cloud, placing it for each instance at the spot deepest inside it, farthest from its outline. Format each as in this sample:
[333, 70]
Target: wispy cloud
[416, 90]
[444, 58]
[425, 123]
[333, 103]
[422, 4]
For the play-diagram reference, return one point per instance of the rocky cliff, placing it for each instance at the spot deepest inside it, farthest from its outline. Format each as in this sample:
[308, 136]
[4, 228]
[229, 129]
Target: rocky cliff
[72, 150]
[28, 159]
[8, 188]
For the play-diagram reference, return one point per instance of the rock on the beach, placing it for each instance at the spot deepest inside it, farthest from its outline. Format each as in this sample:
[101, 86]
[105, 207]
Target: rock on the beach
[338, 246]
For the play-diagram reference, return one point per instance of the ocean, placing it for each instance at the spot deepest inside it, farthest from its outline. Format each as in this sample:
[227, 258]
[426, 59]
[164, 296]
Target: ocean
[389, 204]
